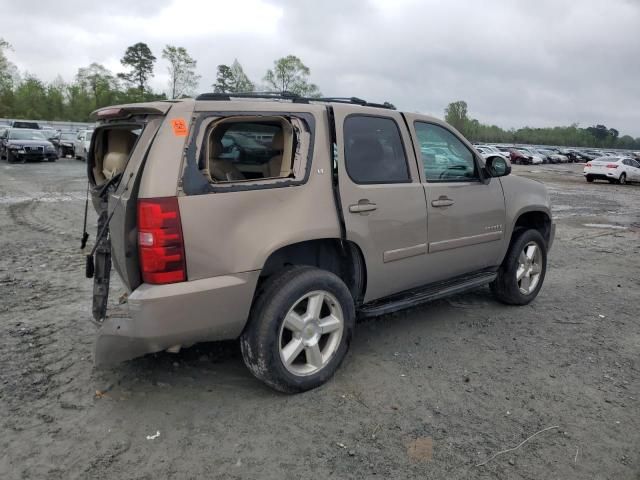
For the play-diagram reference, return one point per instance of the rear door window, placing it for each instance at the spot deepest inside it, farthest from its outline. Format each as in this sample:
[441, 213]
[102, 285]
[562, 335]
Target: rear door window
[374, 152]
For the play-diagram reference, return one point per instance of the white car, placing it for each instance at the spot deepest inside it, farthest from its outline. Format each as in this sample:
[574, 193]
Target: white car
[81, 144]
[487, 152]
[552, 156]
[615, 169]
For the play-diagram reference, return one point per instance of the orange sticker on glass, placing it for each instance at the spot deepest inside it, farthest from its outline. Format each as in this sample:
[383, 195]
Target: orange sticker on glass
[179, 127]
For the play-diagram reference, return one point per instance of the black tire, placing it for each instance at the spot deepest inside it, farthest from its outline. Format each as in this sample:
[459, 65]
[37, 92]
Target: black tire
[623, 179]
[260, 340]
[11, 158]
[505, 286]
[589, 179]
[53, 159]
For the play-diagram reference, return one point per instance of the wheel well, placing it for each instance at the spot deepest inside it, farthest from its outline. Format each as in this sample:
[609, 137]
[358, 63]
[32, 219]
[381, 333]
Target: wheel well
[345, 259]
[536, 220]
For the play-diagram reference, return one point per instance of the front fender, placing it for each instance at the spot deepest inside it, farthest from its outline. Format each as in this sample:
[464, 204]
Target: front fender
[523, 195]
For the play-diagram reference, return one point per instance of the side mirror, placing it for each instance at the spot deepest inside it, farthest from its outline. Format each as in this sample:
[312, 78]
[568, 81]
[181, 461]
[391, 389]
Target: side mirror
[497, 167]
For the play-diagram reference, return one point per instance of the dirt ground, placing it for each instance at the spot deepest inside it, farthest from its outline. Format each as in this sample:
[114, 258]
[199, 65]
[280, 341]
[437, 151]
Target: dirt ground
[428, 393]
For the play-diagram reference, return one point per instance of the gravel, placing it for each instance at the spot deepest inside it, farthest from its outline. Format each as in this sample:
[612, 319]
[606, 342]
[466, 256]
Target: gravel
[467, 377]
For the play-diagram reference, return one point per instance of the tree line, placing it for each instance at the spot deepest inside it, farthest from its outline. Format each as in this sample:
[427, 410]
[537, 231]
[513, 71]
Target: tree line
[600, 136]
[95, 86]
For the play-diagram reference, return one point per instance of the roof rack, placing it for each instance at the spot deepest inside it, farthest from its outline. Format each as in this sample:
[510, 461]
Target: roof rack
[293, 97]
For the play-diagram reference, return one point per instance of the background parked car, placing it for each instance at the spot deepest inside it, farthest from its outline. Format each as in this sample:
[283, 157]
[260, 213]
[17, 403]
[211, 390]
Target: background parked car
[24, 124]
[534, 157]
[614, 169]
[489, 152]
[81, 144]
[553, 156]
[22, 144]
[518, 157]
[64, 143]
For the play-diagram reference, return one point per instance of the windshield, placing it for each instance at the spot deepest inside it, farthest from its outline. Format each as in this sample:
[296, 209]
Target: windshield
[25, 135]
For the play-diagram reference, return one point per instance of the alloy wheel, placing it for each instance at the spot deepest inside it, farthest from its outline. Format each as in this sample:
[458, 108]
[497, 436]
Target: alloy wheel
[311, 333]
[529, 268]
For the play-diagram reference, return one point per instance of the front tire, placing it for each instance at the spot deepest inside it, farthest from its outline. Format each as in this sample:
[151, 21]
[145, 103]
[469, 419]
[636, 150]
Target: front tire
[522, 272]
[299, 329]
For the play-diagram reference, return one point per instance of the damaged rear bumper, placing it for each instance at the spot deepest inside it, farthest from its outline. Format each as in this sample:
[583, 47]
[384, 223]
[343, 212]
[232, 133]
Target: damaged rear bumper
[181, 314]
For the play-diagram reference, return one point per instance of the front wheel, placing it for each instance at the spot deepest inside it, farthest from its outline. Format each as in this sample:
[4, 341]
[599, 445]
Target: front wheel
[522, 272]
[299, 329]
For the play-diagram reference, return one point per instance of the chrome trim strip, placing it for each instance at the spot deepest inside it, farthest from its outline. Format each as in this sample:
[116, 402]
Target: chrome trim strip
[406, 252]
[464, 241]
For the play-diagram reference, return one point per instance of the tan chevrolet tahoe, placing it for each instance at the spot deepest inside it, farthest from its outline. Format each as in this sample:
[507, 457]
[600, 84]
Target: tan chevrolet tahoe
[278, 220]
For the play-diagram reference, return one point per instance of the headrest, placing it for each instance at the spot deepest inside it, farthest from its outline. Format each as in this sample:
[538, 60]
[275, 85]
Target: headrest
[119, 140]
[216, 148]
[277, 143]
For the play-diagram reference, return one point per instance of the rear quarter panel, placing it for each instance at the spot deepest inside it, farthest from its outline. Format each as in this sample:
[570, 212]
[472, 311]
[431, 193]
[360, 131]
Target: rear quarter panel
[232, 232]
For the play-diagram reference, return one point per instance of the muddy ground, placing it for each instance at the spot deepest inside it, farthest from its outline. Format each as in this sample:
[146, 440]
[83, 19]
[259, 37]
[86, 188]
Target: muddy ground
[429, 393]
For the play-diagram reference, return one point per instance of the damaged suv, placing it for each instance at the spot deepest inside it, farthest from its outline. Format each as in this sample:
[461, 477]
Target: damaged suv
[278, 220]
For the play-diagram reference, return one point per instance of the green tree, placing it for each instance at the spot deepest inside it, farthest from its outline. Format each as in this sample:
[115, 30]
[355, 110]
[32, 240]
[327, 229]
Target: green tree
[55, 100]
[183, 79]
[31, 96]
[232, 79]
[140, 60]
[8, 78]
[99, 82]
[289, 74]
[224, 78]
[456, 115]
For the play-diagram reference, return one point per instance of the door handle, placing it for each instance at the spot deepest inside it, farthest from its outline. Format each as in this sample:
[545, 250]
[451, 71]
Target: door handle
[363, 206]
[442, 201]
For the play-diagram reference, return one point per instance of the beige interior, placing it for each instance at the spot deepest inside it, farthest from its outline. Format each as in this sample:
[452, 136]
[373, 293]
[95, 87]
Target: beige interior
[222, 170]
[116, 145]
[219, 169]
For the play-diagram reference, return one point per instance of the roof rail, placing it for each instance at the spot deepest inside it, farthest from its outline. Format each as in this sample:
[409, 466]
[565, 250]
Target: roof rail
[294, 97]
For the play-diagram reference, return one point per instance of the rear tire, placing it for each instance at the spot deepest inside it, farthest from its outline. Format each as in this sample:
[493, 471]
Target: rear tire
[285, 344]
[589, 179]
[527, 259]
[623, 179]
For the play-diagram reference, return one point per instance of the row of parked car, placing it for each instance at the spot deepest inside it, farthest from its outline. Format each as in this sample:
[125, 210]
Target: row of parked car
[22, 141]
[535, 155]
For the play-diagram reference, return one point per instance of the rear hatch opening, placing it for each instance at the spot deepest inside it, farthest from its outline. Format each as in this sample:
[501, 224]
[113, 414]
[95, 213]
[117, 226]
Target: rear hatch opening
[114, 165]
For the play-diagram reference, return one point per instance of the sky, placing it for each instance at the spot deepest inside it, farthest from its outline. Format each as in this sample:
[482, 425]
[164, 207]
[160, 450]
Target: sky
[516, 63]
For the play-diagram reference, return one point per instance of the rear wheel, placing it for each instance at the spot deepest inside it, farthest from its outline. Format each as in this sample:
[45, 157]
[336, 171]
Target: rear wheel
[522, 272]
[623, 179]
[589, 179]
[299, 329]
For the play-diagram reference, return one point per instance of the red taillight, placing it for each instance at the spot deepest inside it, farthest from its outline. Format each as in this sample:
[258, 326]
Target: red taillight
[160, 241]
[588, 165]
[612, 165]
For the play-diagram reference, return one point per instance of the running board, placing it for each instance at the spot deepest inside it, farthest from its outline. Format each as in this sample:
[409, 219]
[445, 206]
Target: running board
[433, 291]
